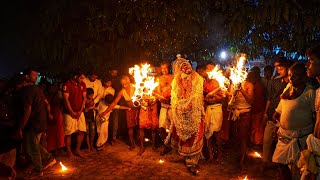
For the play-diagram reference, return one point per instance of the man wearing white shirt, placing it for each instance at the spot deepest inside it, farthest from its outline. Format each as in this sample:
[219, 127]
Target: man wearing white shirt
[93, 82]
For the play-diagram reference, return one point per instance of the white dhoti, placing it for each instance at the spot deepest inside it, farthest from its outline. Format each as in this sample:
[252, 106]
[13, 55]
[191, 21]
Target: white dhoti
[213, 119]
[72, 125]
[165, 116]
[287, 149]
[102, 129]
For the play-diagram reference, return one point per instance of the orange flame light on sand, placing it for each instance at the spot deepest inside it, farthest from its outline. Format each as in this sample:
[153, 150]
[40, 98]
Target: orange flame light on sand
[161, 161]
[217, 74]
[144, 82]
[245, 178]
[256, 154]
[238, 74]
[63, 168]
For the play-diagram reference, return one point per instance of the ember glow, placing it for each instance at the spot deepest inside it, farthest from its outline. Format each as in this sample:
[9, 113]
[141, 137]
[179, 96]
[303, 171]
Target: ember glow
[146, 140]
[238, 74]
[63, 168]
[144, 83]
[245, 178]
[217, 74]
[161, 161]
[256, 154]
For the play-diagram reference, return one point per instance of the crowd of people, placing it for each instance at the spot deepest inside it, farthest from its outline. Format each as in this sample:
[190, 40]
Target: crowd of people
[189, 112]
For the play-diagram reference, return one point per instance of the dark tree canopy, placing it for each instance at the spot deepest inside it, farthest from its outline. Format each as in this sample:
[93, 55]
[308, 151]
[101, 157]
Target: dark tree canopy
[103, 33]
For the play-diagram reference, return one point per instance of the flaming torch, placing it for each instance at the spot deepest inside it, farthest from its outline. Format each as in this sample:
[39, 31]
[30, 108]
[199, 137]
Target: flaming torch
[217, 74]
[144, 85]
[237, 75]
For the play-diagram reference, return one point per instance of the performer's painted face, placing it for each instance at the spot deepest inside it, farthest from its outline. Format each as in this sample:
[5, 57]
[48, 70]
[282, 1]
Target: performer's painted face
[186, 68]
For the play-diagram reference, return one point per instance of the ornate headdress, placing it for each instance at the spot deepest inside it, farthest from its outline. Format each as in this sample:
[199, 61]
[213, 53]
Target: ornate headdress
[177, 64]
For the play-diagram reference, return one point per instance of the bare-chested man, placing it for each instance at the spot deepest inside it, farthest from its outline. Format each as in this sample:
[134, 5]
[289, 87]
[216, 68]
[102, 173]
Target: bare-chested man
[126, 92]
[163, 93]
[295, 113]
[214, 115]
[241, 114]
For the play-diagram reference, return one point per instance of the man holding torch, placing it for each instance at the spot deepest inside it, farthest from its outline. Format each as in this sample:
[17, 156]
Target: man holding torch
[242, 96]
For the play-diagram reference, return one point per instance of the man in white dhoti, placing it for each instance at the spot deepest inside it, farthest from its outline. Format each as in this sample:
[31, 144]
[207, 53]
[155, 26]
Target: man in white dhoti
[295, 114]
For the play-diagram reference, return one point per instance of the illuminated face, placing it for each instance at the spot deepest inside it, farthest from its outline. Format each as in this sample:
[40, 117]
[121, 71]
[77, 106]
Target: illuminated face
[32, 77]
[313, 67]
[113, 73]
[108, 84]
[79, 79]
[125, 82]
[295, 78]
[164, 69]
[209, 67]
[186, 68]
[283, 72]
[92, 77]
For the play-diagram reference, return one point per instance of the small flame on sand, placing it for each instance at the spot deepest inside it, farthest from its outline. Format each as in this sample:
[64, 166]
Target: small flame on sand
[161, 161]
[146, 140]
[63, 168]
[167, 130]
[245, 178]
[256, 154]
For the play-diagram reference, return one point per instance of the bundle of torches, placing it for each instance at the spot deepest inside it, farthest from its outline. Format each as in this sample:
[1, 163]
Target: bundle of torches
[144, 85]
[145, 82]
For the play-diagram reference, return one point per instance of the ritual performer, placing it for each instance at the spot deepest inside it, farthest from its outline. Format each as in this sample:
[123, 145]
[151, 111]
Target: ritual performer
[163, 94]
[74, 95]
[257, 110]
[295, 113]
[240, 113]
[187, 126]
[93, 82]
[312, 154]
[126, 92]
[214, 115]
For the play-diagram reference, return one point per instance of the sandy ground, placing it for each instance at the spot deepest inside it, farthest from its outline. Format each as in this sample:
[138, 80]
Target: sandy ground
[117, 162]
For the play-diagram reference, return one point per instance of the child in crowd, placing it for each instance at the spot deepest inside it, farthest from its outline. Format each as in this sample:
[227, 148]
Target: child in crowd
[90, 119]
[103, 120]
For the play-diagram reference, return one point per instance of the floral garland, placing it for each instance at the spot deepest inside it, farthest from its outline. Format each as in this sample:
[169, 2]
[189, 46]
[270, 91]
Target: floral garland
[187, 104]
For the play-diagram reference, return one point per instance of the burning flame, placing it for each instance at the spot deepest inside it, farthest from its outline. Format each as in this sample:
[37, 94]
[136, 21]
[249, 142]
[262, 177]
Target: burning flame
[238, 74]
[256, 154]
[217, 74]
[161, 161]
[245, 178]
[63, 168]
[144, 82]
[146, 140]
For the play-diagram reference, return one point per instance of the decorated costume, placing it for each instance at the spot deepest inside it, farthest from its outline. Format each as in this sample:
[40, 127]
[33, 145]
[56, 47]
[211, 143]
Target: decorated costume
[187, 126]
